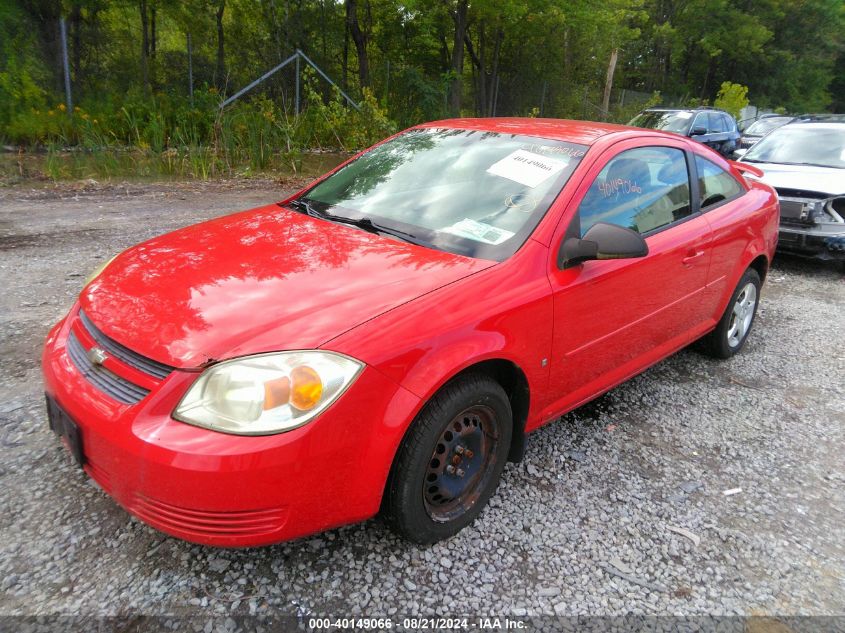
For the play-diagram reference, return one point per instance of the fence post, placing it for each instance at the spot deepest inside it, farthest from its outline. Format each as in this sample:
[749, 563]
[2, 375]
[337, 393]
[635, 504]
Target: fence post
[68, 98]
[543, 98]
[296, 107]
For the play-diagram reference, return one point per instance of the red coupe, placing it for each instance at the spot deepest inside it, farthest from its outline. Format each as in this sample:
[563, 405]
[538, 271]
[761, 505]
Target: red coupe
[385, 339]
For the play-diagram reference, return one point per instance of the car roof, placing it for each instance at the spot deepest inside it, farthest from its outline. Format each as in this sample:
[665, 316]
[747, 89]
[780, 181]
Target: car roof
[818, 125]
[581, 132]
[680, 109]
[819, 118]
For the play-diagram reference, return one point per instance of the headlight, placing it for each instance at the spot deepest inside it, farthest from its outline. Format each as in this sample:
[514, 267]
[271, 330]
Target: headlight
[99, 269]
[266, 393]
[835, 208]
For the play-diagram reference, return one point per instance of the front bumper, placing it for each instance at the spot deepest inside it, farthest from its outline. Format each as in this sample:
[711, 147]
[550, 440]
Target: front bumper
[819, 241]
[228, 490]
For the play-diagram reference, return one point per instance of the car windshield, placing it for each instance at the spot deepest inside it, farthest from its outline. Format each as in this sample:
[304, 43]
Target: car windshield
[764, 126]
[674, 121]
[802, 144]
[470, 192]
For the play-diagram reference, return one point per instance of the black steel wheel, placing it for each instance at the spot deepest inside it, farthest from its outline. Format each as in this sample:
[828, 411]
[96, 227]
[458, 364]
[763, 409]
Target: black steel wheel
[462, 463]
[450, 460]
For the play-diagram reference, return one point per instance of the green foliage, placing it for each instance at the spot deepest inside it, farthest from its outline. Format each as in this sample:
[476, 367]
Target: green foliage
[521, 57]
[732, 98]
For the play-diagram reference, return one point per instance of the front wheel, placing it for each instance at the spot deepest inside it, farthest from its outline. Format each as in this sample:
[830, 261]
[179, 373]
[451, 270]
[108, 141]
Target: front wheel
[733, 328]
[450, 461]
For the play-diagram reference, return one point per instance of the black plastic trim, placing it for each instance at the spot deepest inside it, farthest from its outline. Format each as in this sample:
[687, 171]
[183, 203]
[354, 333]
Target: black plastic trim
[106, 381]
[150, 367]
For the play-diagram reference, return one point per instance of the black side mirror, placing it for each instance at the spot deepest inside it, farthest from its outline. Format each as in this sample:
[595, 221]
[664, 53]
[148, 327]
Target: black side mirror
[602, 241]
[699, 130]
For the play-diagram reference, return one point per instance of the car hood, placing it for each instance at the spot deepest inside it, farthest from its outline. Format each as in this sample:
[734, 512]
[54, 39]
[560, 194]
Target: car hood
[824, 180]
[262, 280]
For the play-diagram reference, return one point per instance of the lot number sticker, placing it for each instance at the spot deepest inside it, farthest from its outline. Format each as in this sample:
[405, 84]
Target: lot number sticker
[527, 168]
[478, 231]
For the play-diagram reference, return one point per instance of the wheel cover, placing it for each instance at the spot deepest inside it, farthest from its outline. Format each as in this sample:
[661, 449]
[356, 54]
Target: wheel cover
[462, 463]
[742, 314]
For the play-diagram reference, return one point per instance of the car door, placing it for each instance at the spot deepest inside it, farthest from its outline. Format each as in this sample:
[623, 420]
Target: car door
[715, 135]
[721, 199]
[718, 130]
[700, 128]
[612, 318]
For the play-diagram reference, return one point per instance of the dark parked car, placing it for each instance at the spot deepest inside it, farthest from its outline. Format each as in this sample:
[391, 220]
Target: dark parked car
[710, 126]
[805, 162]
[761, 127]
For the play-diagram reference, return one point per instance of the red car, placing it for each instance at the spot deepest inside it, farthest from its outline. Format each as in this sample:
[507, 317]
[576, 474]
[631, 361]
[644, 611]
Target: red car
[386, 338]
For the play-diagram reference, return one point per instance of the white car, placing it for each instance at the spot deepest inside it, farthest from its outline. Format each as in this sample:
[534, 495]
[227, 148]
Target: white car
[805, 162]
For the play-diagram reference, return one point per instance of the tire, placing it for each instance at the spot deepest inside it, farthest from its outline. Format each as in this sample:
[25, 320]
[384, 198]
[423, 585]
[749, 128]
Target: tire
[465, 427]
[733, 328]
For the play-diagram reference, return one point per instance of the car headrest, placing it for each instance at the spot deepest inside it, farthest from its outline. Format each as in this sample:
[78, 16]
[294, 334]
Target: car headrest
[634, 173]
[673, 172]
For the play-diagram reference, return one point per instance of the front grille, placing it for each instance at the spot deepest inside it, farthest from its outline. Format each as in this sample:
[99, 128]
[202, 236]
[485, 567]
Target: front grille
[107, 381]
[208, 523]
[133, 359]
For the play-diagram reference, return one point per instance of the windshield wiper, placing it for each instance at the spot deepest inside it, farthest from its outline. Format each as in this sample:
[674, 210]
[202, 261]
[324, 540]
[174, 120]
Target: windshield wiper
[303, 207]
[362, 223]
[778, 162]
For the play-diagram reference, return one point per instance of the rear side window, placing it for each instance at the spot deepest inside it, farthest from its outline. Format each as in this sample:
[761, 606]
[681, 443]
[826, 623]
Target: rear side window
[718, 122]
[715, 185]
[643, 189]
[728, 122]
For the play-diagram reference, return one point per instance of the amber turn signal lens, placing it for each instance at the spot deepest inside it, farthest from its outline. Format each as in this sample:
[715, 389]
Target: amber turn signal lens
[306, 388]
[276, 393]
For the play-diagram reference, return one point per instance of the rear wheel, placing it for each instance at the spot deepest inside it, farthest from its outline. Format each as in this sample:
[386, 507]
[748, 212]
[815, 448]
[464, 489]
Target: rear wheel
[450, 460]
[732, 331]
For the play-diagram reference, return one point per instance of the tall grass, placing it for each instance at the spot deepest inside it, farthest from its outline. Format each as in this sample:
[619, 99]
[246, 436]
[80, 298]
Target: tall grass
[166, 136]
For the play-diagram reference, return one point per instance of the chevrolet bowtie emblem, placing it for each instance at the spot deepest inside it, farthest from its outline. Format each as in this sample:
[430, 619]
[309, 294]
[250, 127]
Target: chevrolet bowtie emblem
[97, 355]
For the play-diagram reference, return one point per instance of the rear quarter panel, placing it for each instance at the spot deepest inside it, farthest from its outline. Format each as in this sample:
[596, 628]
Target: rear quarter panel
[743, 230]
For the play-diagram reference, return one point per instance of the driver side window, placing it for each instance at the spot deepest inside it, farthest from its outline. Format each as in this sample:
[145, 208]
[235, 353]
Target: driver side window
[643, 189]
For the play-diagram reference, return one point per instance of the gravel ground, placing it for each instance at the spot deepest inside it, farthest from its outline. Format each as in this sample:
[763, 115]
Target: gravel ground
[618, 508]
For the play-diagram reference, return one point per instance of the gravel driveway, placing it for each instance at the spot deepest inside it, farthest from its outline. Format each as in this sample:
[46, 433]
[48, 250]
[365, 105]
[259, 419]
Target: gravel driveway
[618, 508]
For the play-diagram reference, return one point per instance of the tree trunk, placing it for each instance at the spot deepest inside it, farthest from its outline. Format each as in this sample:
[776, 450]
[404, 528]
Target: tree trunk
[145, 44]
[360, 40]
[608, 84]
[567, 55]
[455, 89]
[153, 40]
[152, 31]
[708, 78]
[482, 75]
[478, 69]
[272, 18]
[220, 70]
[494, 75]
[345, 56]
